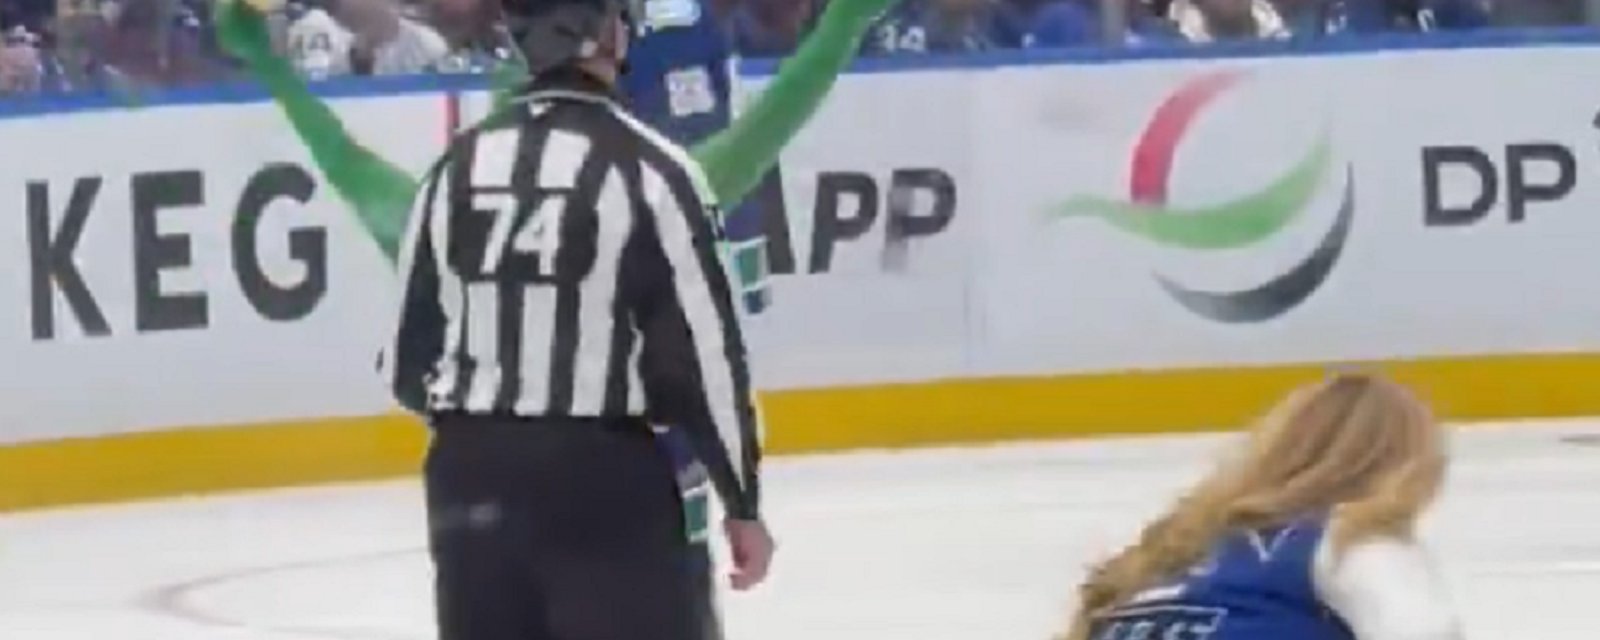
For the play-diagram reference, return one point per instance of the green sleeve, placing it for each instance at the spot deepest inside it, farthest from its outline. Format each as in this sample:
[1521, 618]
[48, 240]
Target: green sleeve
[736, 158]
[379, 192]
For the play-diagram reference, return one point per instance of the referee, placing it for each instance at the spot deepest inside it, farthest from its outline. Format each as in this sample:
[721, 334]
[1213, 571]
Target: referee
[562, 293]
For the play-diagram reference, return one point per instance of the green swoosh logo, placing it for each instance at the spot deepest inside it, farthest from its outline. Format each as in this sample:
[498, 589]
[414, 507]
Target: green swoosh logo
[1229, 225]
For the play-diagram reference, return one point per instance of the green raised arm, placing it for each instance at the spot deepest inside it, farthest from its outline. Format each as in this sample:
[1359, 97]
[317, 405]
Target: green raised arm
[378, 191]
[381, 193]
[736, 158]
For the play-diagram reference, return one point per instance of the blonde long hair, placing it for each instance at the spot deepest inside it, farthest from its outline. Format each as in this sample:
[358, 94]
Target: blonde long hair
[1357, 444]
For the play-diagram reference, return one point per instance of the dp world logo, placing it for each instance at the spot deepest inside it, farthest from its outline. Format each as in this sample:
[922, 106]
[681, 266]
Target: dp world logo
[1244, 222]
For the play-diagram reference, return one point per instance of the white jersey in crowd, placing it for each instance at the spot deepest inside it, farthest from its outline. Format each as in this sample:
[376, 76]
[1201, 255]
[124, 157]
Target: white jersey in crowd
[416, 49]
[320, 47]
[1193, 25]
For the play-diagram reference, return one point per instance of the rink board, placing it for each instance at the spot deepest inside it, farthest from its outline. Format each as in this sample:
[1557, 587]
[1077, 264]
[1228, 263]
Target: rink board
[1066, 249]
[344, 449]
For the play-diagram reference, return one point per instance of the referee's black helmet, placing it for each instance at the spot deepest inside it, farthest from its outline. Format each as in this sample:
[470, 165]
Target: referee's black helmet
[552, 33]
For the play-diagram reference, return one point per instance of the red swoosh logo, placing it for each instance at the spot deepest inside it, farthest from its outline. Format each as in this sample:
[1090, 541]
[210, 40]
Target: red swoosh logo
[1153, 157]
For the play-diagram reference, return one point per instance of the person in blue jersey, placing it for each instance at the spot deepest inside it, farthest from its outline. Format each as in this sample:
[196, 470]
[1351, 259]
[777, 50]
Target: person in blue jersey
[1078, 23]
[1541, 13]
[947, 26]
[1307, 533]
[679, 79]
[1064, 24]
[1358, 17]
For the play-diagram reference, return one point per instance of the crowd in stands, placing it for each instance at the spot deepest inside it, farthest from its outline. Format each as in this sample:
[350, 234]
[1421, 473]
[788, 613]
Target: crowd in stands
[65, 46]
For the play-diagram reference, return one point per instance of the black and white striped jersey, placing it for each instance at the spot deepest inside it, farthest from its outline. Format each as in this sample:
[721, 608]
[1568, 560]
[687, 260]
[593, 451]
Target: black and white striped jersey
[568, 266]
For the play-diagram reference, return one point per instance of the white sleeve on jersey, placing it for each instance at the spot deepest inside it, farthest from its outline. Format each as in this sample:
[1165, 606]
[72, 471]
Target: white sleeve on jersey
[1386, 589]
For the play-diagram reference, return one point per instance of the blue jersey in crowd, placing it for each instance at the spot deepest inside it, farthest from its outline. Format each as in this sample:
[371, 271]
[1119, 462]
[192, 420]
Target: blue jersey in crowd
[678, 77]
[920, 26]
[1254, 585]
[1077, 23]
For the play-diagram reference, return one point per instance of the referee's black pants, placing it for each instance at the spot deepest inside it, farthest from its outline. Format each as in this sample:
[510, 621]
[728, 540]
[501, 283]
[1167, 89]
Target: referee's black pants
[561, 529]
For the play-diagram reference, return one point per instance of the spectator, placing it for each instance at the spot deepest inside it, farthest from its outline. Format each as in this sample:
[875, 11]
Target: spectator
[386, 42]
[1356, 17]
[80, 30]
[194, 17]
[44, 66]
[1456, 14]
[1203, 21]
[318, 46]
[20, 71]
[155, 43]
[32, 15]
[1538, 13]
[1147, 22]
[1076, 23]
[770, 28]
[472, 33]
[1070, 23]
[947, 26]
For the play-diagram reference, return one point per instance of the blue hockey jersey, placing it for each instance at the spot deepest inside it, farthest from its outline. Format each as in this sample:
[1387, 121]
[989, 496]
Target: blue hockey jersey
[921, 26]
[1255, 585]
[1077, 23]
[680, 80]
[679, 70]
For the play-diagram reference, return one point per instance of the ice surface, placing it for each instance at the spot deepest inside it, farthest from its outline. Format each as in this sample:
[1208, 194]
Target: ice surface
[953, 544]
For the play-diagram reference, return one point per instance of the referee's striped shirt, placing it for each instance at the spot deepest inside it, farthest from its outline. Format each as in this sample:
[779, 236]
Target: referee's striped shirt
[568, 267]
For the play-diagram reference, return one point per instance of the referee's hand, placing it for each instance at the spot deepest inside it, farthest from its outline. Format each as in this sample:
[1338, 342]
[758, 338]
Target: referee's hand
[752, 548]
